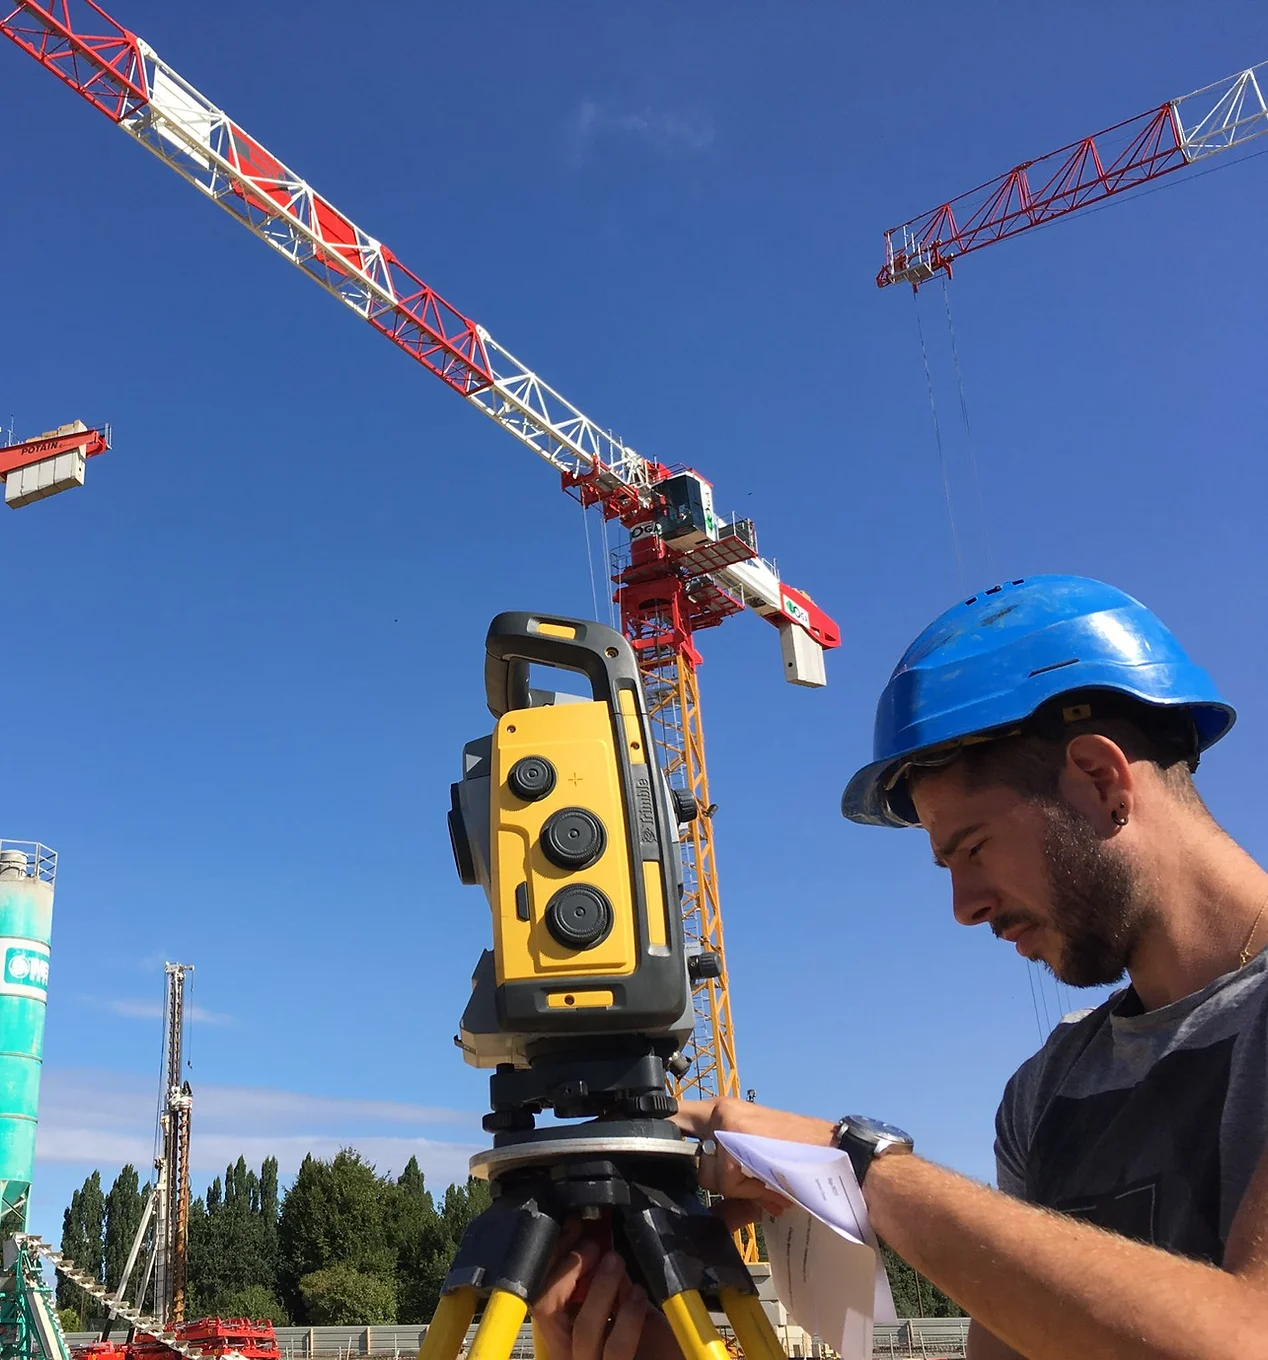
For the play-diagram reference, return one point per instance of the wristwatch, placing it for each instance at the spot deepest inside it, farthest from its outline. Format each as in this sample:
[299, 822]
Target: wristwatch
[862, 1139]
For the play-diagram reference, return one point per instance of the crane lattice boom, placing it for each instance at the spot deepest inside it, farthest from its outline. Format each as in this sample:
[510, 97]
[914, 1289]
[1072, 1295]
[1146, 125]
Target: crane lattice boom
[125, 79]
[1215, 118]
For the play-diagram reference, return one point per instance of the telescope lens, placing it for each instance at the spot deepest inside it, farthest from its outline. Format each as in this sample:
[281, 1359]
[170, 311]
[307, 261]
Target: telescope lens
[459, 843]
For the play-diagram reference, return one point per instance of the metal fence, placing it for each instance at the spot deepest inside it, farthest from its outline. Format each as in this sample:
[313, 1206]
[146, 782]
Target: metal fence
[926, 1338]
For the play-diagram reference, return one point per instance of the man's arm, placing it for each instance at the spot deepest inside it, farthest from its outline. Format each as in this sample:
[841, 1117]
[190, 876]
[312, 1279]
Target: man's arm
[984, 1346]
[1043, 1284]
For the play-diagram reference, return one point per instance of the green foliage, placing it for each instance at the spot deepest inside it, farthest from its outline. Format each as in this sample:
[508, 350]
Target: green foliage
[83, 1240]
[342, 1245]
[336, 1213]
[69, 1318]
[342, 1295]
[914, 1296]
[254, 1301]
[233, 1243]
[124, 1205]
[425, 1251]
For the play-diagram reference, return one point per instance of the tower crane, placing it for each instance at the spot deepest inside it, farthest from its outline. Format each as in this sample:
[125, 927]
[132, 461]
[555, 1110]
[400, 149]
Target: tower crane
[1176, 134]
[685, 570]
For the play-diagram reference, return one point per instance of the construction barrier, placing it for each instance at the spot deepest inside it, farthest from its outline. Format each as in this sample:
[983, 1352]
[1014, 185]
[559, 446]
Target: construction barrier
[926, 1338]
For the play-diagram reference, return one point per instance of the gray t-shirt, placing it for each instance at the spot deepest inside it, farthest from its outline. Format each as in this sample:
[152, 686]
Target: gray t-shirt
[1148, 1123]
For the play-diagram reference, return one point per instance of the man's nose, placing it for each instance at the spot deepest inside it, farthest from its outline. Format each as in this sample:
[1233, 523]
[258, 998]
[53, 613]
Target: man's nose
[971, 901]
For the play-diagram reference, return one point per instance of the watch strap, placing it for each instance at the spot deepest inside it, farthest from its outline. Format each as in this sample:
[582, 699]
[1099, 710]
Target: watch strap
[856, 1149]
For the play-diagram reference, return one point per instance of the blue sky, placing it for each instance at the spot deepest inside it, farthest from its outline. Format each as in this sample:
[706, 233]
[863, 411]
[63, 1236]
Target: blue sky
[245, 657]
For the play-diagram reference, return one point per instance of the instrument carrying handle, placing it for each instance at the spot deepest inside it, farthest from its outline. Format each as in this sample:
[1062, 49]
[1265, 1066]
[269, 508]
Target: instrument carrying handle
[517, 640]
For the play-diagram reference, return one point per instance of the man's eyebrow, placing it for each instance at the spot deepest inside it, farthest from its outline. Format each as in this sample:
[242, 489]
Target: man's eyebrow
[943, 852]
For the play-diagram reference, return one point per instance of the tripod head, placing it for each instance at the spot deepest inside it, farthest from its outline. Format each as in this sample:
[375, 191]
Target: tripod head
[566, 821]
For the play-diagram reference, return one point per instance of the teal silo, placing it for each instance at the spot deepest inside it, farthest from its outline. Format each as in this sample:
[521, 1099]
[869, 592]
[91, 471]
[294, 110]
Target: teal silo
[27, 872]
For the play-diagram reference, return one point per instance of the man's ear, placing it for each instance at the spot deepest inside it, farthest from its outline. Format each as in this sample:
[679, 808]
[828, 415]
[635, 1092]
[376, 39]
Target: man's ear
[1097, 780]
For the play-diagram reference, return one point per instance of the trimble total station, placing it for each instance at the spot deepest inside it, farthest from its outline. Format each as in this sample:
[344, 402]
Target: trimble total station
[583, 1004]
[564, 818]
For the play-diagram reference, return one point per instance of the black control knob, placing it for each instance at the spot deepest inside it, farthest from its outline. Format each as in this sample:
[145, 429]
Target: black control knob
[686, 809]
[531, 778]
[573, 838]
[579, 916]
[703, 966]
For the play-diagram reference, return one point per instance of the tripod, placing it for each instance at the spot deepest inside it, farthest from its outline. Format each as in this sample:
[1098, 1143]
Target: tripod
[635, 1176]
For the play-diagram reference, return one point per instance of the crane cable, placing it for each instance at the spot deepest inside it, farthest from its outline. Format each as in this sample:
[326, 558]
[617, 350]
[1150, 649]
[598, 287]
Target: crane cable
[983, 523]
[1044, 1022]
[937, 436]
[594, 591]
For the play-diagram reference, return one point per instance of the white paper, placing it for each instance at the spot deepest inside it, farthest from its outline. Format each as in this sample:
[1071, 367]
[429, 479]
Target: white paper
[825, 1261]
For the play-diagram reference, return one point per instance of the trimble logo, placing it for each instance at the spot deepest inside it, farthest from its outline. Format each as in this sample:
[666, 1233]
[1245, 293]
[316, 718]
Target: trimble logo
[26, 968]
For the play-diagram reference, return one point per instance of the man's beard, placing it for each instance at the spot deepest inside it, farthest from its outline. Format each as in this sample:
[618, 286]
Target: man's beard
[1097, 905]
[1096, 900]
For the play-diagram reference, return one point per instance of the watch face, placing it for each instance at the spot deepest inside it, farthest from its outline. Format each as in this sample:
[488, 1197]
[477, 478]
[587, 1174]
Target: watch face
[873, 1130]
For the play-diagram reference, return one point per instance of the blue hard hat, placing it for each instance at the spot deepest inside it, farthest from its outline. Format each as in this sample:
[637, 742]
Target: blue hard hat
[991, 661]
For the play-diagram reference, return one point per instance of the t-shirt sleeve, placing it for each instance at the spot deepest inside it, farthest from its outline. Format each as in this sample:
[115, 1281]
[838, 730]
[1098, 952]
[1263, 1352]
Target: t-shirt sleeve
[1012, 1138]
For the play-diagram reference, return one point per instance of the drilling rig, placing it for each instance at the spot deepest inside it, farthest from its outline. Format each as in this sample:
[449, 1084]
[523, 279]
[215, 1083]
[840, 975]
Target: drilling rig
[168, 1204]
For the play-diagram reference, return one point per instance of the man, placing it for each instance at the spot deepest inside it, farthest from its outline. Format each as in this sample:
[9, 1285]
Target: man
[1044, 735]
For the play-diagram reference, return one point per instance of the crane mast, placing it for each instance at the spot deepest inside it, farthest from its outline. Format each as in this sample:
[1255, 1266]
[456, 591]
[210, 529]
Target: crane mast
[686, 569]
[1218, 117]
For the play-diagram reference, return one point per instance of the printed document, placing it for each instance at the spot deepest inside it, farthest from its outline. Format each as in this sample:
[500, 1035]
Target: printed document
[825, 1261]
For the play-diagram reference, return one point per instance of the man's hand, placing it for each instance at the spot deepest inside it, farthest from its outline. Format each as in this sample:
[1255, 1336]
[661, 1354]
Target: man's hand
[720, 1173]
[589, 1309]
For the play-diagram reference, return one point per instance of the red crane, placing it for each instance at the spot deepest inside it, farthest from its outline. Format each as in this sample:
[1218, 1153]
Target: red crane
[32, 469]
[686, 569]
[1215, 118]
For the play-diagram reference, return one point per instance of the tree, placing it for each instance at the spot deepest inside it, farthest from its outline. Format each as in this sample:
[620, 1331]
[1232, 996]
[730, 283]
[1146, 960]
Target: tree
[124, 1205]
[233, 1244]
[92, 1205]
[336, 1213]
[428, 1248]
[424, 1247]
[254, 1301]
[82, 1241]
[68, 1294]
[340, 1295]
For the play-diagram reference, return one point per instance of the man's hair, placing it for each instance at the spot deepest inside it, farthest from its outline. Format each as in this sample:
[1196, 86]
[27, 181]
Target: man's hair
[1030, 762]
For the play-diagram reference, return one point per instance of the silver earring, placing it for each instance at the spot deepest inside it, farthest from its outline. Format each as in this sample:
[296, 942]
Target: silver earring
[1119, 815]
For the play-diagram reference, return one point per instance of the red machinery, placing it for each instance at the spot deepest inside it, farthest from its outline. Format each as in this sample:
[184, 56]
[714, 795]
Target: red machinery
[51, 462]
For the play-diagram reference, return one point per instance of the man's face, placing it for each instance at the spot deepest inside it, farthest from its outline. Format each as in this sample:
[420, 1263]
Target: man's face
[1037, 873]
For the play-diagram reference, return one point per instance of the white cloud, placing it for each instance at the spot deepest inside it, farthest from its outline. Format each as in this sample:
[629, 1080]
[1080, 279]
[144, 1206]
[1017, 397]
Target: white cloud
[136, 1009]
[104, 1119]
[666, 131]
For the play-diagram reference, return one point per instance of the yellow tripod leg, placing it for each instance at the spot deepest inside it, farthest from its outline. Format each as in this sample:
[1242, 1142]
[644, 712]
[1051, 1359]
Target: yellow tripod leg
[693, 1328]
[753, 1328]
[495, 1337]
[448, 1328]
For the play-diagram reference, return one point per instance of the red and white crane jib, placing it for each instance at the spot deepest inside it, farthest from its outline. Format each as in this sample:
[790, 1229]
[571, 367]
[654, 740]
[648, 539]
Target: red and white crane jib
[123, 78]
[1218, 117]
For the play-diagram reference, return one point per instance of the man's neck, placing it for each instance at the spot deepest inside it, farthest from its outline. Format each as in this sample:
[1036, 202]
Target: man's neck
[1209, 908]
